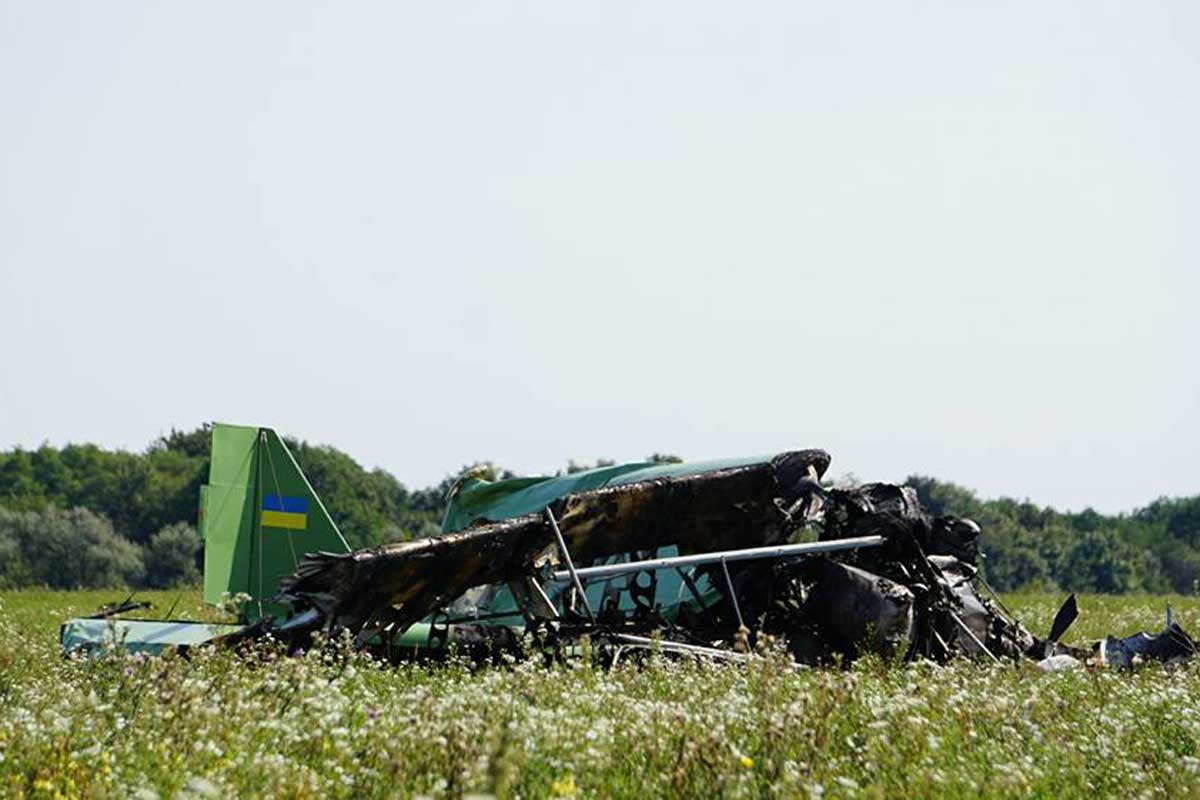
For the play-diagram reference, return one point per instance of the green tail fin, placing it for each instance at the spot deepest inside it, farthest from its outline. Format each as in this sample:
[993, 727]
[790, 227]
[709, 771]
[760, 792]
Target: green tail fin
[259, 518]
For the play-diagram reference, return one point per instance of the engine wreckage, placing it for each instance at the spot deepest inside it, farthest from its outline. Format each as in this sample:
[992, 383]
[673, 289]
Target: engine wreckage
[695, 559]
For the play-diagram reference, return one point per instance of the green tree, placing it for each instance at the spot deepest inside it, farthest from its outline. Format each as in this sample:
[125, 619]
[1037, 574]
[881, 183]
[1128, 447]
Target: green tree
[70, 549]
[367, 506]
[944, 498]
[573, 466]
[170, 557]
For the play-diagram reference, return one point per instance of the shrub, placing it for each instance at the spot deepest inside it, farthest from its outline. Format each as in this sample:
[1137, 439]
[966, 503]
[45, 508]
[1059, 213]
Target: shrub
[170, 557]
[65, 550]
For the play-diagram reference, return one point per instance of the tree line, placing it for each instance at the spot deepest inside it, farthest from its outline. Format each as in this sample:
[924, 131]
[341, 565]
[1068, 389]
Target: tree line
[1152, 549]
[83, 516]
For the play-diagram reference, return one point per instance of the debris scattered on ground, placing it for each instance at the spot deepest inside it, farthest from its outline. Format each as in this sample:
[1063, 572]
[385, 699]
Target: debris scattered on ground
[875, 573]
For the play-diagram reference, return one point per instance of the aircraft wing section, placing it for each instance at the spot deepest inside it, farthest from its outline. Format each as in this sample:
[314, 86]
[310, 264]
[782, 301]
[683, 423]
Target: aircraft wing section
[393, 586]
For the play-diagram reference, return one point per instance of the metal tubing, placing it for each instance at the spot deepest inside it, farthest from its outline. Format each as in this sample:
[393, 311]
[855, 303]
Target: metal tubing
[667, 646]
[571, 571]
[971, 633]
[749, 554]
[732, 593]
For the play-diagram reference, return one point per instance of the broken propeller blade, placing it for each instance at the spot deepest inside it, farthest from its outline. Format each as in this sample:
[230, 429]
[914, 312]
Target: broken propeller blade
[1063, 619]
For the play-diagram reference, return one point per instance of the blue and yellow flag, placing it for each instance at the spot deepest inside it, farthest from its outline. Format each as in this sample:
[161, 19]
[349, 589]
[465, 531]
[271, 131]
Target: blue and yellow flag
[281, 511]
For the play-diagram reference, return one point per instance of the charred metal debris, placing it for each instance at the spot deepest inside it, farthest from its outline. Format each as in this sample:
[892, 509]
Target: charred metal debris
[705, 564]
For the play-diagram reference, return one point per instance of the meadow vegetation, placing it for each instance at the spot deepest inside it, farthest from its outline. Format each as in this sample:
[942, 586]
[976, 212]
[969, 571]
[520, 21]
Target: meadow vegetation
[332, 724]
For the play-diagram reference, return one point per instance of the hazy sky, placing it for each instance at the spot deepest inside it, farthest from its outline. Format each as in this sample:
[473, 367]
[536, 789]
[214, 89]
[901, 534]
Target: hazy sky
[928, 238]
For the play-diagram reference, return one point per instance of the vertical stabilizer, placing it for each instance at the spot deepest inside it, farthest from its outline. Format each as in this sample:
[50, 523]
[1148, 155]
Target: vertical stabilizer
[292, 520]
[260, 516]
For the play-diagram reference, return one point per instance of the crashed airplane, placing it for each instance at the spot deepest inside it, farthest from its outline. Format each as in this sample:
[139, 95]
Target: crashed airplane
[701, 559]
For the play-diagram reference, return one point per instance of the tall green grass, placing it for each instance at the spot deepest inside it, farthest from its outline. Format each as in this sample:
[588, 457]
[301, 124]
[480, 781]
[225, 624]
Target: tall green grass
[331, 725]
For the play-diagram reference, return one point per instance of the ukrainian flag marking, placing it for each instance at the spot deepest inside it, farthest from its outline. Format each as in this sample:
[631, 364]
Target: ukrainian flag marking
[280, 511]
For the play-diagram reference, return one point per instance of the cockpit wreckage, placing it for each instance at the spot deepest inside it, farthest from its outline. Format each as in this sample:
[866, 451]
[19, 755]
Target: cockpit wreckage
[699, 560]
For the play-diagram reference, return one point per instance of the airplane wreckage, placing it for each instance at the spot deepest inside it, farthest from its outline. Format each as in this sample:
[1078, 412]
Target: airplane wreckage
[700, 559]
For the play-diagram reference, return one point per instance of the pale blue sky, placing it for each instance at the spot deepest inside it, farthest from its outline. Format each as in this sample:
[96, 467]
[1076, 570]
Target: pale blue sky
[951, 239]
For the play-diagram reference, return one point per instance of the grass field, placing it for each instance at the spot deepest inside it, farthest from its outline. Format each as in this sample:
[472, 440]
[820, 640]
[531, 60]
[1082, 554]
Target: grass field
[316, 727]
